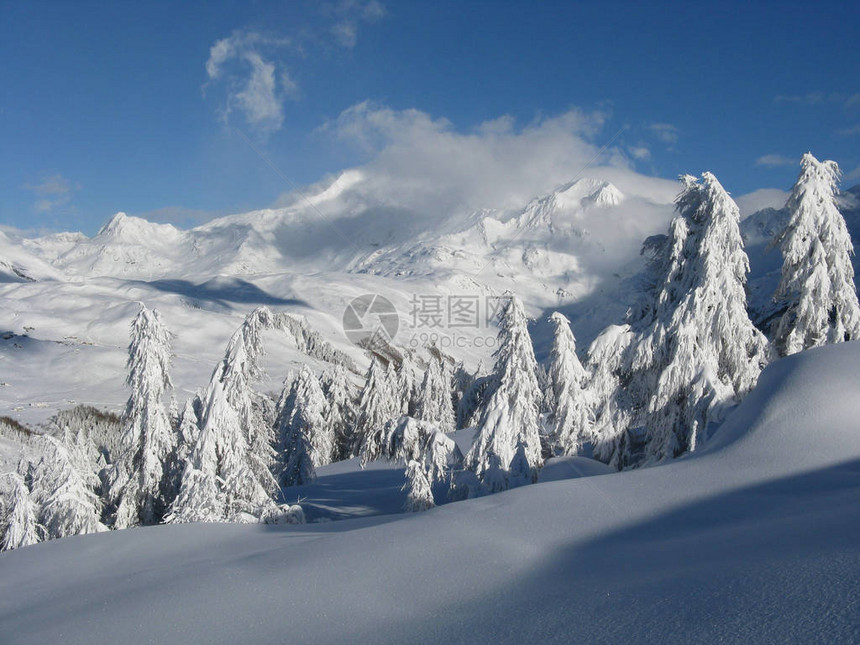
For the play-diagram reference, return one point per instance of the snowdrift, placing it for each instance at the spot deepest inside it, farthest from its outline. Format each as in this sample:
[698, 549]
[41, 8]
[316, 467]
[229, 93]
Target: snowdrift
[752, 539]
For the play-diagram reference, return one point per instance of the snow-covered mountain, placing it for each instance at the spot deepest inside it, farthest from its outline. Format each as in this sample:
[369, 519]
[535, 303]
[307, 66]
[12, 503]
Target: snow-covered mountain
[68, 298]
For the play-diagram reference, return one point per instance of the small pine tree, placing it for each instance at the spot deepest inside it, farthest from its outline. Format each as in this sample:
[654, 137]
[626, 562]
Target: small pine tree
[376, 407]
[307, 440]
[569, 414]
[20, 526]
[142, 489]
[405, 386]
[68, 505]
[608, 397]
[434, 395]
[512, 414]
[816, 292]
[419, 491]
[340, 414]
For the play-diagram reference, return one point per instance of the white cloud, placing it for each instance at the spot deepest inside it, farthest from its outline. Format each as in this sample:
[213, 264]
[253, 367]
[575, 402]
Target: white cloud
[423, 164]
[639, 152]
[348, 14]
[810, 98]
[251, 66]
[850, 132]
[665, 132]
[257, 84]
[178, 216]
[53, 192]
[759, 199]
[775, 160]
[819, 98]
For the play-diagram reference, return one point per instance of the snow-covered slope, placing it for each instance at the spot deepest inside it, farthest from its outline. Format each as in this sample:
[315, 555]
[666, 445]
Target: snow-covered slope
[752, 540]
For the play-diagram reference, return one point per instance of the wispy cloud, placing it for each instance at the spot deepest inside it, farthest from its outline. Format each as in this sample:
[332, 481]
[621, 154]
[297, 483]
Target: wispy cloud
[775, 160]
[849, 132]
[257, 83]
[639, 152]
[52, 192]
[178, 216]
[819, 98]
[348, 15]
[759, 199]
[255, 69]
[665, 132]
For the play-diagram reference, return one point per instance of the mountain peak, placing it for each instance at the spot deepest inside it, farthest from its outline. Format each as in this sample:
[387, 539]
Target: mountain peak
[134, 229]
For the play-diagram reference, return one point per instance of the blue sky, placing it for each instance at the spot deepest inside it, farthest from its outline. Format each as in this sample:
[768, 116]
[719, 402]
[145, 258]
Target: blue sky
[180, 111]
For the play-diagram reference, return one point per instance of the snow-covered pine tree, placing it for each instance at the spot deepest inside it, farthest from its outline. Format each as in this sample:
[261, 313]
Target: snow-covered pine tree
[20, 526]
[376, 407]
[189, 428]
[817, 291]
[141, 486]
[607, 397]
[695, 350]
[307, 440]
[474, 398]
[340, 414]
[68, 505]
[428, 454]
[404, 385]
[461, 382]
[233, 454]
[569, 414]
[419, 491]
[434, 396]
[512, 413]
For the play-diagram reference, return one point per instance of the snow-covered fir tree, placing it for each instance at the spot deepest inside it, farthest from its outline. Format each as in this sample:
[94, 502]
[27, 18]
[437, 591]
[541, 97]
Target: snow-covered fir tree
[419, 495]
[141, 487]
[816, 293]
[340, 413]
[377, 405]
[695, 350]
[189, 429]
[461, 382]
[234, 452]
[20, 525]
[566, 400]
[474, 398]
[307, 440]
[67, 502]
[434, 401]
[405, 385]
[511, 415]
[608, 399]
[428, 454]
